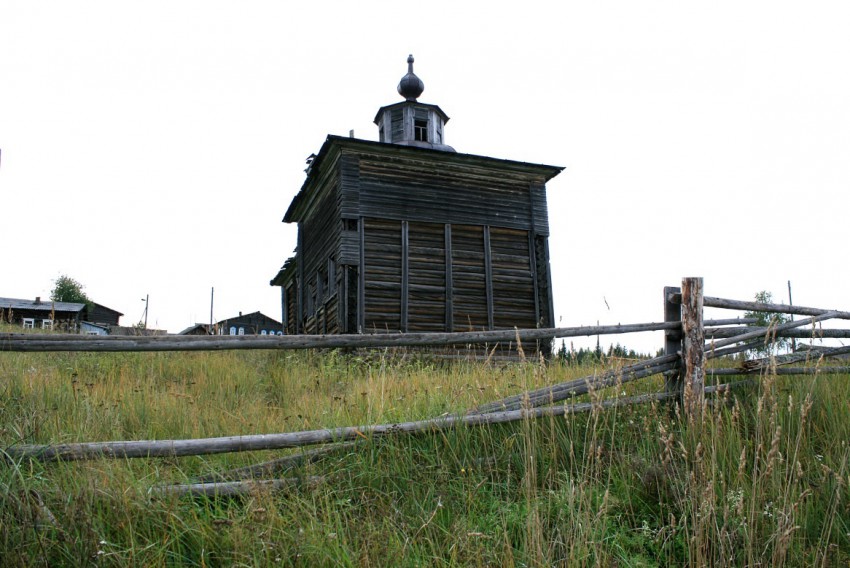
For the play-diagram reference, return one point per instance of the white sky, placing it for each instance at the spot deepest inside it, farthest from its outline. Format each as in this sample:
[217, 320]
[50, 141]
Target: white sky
[153, 147]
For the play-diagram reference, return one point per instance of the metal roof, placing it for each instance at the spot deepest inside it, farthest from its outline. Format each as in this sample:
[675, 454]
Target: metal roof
[45, 306]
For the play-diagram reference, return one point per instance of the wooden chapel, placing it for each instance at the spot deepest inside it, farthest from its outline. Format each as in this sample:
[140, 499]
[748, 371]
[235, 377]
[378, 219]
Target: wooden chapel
[407, 235]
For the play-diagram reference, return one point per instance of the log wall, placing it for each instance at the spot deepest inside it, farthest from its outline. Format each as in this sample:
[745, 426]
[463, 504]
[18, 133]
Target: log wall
[411, 284]
[432, 191]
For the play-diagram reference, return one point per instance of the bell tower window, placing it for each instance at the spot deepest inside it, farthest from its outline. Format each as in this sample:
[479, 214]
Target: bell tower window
[420, 130]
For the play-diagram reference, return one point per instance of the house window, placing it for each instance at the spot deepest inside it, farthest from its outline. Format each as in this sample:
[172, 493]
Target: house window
[29, 323]
[47, 324]
[420, 130]
[232, 330]
[241, 331]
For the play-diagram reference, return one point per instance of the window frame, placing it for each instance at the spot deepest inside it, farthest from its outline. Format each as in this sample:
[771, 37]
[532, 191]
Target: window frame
[420, 129]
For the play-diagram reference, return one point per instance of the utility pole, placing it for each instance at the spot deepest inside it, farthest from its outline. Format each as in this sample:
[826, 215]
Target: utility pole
[212, 297]
[147, 303]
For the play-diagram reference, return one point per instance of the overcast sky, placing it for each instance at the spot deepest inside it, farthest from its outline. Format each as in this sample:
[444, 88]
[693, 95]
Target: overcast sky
[153, 147]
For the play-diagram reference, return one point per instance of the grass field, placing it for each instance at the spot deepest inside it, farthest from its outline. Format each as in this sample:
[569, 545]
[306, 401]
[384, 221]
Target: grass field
[762, 480]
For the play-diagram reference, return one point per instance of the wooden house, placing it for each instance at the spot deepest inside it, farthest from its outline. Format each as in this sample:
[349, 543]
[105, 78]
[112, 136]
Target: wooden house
[406, 234]
[39, 314]
[255, 323]
[91, 318]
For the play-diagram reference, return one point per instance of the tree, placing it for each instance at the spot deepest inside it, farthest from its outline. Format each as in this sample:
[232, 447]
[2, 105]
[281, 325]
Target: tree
[66, 289]
[767, 319]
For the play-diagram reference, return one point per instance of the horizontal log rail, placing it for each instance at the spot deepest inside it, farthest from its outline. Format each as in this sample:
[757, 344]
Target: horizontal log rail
[115, 343]
[819, 333]
[798, 357]
[711, 302]
[764, 331]
[728, 372]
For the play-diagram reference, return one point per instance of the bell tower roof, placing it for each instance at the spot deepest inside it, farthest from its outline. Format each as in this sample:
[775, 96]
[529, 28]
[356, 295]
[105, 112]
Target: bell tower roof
[410, 122]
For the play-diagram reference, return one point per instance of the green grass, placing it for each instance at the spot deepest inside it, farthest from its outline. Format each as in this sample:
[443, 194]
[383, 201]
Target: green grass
[762, 480]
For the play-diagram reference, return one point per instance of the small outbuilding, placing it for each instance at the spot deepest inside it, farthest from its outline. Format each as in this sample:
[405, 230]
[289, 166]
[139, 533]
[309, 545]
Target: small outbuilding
[407, 235]
[101, 315]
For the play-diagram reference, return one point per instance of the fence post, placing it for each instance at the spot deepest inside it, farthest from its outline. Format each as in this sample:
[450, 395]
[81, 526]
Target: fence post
[693, 345]
[672, 342]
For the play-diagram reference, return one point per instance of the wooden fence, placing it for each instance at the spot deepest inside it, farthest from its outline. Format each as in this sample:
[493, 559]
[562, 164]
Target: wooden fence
[690, 341]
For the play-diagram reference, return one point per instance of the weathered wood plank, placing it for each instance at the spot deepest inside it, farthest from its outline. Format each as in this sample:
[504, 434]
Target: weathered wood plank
[577, 387]
[819, 333]
[761, 332]
[488, 277]
[693, 344]
[771, 363]
[279, 465]
[208, 446]
[673, 341]
[449, 279]
[361, 279]
[712, 302]
[405, 275]
[832, 370]
[235, 488]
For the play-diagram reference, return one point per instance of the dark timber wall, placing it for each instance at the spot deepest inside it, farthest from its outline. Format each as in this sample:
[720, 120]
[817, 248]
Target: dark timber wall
[393, 239]
[406, 274]
[426, 258]
[437, 192]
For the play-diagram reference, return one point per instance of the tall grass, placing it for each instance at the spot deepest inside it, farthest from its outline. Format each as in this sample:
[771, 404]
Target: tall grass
[761, 479]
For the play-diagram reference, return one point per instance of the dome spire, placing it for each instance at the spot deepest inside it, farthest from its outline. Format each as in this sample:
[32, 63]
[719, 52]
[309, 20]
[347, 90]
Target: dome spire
[410, 86]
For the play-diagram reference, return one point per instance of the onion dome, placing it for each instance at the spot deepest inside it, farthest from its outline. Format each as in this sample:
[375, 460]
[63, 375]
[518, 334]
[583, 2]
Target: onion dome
[410, 86]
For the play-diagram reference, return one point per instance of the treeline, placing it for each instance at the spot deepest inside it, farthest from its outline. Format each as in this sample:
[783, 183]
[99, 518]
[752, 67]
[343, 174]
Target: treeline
[596, 355]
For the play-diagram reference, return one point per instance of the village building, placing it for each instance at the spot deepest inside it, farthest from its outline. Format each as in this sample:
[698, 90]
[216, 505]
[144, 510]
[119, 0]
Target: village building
[255, 323]
[102, 316]
[408, 235]
[90, 319]
[38, 314]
